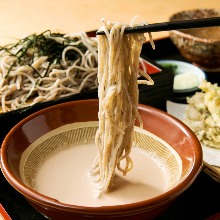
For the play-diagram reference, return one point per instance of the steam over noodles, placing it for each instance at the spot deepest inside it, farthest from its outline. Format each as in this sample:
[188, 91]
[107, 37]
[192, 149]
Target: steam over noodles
[118, 68]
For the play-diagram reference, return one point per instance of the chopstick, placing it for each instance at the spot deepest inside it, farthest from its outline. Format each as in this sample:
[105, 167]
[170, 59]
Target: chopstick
[173, 25]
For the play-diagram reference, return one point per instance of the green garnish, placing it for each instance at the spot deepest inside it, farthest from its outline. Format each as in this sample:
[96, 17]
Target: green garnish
[46, 44]
[170, 67]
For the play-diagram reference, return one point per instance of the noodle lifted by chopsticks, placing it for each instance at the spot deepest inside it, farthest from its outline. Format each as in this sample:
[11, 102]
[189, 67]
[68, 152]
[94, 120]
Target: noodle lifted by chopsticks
[118, 68]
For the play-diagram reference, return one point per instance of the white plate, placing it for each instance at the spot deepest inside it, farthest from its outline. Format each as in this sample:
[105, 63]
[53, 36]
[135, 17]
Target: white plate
[210, 155]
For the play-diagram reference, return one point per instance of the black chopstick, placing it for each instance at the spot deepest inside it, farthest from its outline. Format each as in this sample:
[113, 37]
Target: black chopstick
[173, 25]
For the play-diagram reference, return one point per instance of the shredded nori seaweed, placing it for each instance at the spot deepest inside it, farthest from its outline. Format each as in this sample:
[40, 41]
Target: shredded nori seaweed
[45, 44]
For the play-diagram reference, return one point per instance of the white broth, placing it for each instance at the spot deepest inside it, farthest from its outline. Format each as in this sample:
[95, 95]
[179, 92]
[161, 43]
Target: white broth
[65, 177]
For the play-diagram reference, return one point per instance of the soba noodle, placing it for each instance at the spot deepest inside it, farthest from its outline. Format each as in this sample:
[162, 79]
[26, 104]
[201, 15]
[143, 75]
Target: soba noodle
[118, 68]
[47, 66]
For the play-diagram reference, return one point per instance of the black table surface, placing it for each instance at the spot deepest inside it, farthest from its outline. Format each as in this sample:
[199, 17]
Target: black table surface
[199, 202]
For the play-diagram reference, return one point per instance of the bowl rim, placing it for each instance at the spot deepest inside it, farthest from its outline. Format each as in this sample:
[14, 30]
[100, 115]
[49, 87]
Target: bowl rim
[189, 36]
[110, 210]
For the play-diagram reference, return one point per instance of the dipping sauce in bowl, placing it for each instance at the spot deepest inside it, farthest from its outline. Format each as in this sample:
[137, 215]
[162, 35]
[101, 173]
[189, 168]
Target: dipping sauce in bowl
[182, 142]
[67, 168]
[61, 171]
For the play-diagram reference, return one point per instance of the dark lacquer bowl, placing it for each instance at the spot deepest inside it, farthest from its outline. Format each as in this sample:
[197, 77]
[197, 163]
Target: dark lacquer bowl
[200, 45]
[170, 129]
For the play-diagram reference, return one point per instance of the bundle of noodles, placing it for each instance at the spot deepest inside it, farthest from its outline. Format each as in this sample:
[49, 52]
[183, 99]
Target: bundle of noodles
[46, 66]
[118, 68]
